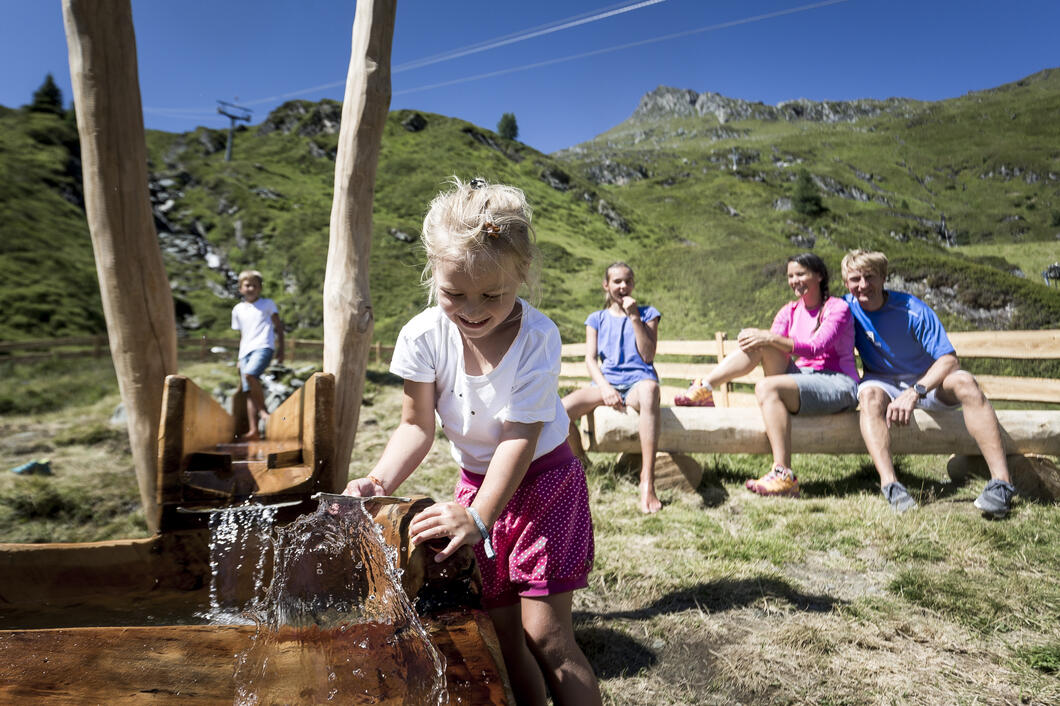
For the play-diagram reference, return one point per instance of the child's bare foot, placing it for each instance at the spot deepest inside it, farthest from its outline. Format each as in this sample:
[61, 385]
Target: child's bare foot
[649, 502]
[251, 435]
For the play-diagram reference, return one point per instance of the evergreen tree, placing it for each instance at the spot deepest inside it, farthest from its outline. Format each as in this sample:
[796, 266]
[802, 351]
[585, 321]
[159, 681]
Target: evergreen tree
[507, 127]
[48, 98]
[806, 199]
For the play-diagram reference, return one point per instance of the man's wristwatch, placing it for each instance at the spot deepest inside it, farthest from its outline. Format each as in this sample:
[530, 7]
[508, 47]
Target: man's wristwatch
[921, 391]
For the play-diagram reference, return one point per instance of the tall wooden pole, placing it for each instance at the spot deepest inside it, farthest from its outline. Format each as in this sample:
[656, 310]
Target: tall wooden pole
[348, 316]
[137, 302]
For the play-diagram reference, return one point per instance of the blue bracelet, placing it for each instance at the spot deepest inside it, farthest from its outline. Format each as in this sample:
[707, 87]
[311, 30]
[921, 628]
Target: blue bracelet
[488, 546]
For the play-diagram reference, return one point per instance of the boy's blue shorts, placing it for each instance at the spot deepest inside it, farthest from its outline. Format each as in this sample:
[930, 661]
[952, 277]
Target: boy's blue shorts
[254, 363]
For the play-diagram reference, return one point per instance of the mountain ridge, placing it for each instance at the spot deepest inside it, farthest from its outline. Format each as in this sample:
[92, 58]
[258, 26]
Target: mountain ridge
[686, 197]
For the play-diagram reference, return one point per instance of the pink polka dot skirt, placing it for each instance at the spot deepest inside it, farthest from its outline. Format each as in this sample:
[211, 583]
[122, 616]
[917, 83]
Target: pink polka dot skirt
[544, 536]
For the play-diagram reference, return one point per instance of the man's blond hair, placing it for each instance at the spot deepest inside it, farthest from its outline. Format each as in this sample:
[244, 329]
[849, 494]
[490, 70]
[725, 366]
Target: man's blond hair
[871, 260]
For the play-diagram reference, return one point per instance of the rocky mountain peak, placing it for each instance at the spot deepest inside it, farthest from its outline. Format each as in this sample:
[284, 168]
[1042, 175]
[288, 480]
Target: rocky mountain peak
[305, 118]
[667, 102]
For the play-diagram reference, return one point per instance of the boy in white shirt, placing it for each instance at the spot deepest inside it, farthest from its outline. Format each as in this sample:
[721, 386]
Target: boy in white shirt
[261, 333]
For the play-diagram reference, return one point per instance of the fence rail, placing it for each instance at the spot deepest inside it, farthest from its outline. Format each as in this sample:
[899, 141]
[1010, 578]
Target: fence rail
[204, 348]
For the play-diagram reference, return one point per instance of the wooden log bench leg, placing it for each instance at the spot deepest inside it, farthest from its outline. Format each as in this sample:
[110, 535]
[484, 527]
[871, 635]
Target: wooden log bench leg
[675, 471]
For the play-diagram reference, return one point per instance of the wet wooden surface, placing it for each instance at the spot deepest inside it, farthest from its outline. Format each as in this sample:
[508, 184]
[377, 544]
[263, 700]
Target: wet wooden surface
[197, 664]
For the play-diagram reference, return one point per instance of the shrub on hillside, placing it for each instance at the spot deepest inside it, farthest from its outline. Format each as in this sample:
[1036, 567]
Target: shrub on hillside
[806, 199]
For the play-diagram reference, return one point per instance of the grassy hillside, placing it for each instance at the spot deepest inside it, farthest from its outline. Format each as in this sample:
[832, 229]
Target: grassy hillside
[48, 282]
[981, 169]
[960, 193]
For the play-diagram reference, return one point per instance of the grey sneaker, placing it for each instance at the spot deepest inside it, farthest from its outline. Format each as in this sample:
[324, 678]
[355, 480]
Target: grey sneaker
[996, 498]
[898, 497]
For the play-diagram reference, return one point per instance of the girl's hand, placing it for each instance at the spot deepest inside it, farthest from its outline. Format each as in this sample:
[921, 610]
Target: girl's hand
[612, 399]
[629, 305]
[445, 521]
[753, 338]
[361, 488]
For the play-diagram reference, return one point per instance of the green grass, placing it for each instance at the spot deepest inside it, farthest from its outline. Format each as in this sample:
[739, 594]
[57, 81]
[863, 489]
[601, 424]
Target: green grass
[1030, 258]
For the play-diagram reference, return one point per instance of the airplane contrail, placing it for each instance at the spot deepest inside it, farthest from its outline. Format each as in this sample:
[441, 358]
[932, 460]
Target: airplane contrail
[577, 20]
[523, 35]
[526, 34]
[619, 47]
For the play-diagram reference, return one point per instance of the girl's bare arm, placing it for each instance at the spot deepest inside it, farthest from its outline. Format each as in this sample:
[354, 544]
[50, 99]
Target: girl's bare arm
[407, 447]
[506, 471]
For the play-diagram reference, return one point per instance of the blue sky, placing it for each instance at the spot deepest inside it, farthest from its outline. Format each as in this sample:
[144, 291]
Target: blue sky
[568, 70]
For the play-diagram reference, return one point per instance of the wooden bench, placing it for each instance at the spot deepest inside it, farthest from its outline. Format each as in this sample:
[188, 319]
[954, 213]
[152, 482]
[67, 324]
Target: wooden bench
[735, 425]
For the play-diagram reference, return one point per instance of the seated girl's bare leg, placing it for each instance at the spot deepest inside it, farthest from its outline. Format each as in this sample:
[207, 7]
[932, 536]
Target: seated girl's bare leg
[582, 401]
[644, 397]
[550, 634]
[579, 403]
[524, 673]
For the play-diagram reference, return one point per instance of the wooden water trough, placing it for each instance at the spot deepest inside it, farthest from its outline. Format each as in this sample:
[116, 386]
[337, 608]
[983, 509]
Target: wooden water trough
[115, 622]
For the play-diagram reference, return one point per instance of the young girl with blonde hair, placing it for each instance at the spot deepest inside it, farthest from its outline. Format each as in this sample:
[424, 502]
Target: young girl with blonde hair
[488, 364]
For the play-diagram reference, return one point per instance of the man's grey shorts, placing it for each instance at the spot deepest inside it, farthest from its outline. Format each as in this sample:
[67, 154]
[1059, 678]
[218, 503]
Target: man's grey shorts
[824, 391]
[894, 385]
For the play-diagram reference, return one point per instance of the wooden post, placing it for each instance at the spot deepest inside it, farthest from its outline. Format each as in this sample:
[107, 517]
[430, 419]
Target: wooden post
[722, 395]
[137, 303]
[291, 343]
[348, 319]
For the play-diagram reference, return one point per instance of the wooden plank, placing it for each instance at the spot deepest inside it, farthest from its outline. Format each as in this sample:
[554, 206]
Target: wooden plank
[318, 433]
[289, 457]
[195, 664]
[691, 371]
[736, 430]
[997, 387]
[664, 347]
[206, 423]
[1028, 345]
[671, 347]
[285, 422]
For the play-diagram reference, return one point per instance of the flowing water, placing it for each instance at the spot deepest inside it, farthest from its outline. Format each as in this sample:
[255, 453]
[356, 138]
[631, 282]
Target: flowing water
[239, 550]
[334, 624]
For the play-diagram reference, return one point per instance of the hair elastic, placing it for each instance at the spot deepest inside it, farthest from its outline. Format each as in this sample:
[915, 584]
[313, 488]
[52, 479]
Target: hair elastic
[487, 544]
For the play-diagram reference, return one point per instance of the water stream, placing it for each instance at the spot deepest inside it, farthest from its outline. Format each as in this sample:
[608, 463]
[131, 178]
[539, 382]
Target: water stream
[334, 624]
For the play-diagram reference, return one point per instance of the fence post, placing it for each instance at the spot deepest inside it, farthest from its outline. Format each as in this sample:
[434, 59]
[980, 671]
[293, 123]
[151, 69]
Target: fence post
[719, 339]
[203, 349]
[378, 348]
[289, 344]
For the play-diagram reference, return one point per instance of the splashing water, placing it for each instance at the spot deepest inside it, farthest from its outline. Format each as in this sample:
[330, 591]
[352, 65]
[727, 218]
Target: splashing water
[335, 625]
[238, 536]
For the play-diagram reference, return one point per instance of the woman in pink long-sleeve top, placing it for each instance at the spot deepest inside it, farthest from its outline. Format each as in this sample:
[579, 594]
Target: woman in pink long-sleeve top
[808, 359]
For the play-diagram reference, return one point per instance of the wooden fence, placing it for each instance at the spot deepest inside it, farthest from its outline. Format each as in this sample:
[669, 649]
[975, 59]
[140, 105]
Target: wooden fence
[202, 348]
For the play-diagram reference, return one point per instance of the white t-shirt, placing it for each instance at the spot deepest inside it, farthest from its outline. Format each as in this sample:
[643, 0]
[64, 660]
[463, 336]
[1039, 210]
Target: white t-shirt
[254, 321]
[472, 408]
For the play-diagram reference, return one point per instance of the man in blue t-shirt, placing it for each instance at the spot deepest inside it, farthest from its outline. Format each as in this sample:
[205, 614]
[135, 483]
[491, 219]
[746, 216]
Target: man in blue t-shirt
[909, 362]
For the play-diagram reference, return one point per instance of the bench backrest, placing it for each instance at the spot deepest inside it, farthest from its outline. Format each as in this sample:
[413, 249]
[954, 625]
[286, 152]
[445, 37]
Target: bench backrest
[678, 362]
